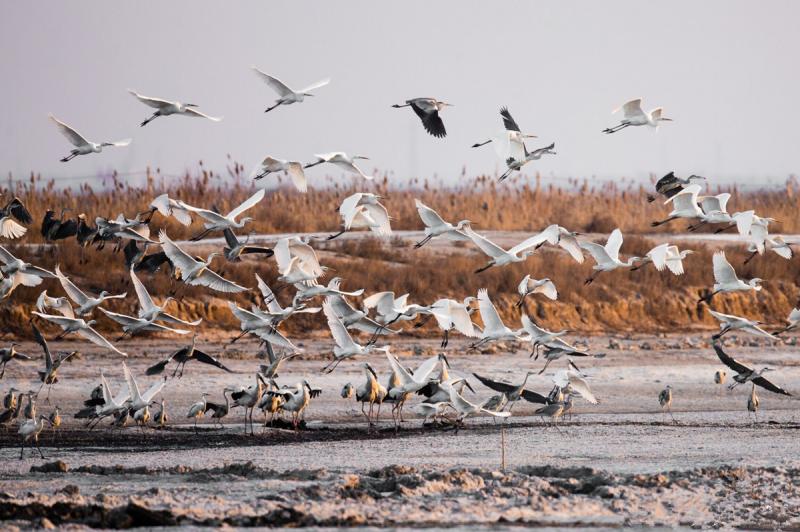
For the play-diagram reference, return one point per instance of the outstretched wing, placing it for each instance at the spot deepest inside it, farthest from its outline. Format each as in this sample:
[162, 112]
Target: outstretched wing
[73, 136]
[729, 360]
[156, 103]
[497, 386]
[274, 83]
[508, 121]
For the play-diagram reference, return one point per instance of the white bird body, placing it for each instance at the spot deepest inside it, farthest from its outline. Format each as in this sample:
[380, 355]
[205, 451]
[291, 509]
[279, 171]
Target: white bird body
[436, 226]
[195, 272]
[540, 336]
[21, 272]
[666, 256]
[59, 304]
[310, 290]
[83, 146]
[493, 327]
[218, 222]
[345, 346]
[149, 311]
[729, 322]
[341, 160]
[140, 400]
[354, 318]
[466, 408]
[252, 321]
[286, 95]
[725, 277]
[406, 382]
[451, 314]
[519, 253]
[545, 286]
[85, 303]
[166, 108]
[390, 309]
[132, 325]
[80, 327]
[306, 266]
[363, 210]
[633, 115]
[170, 207]
[293, 168]
[607, 257]
[568, 241]
[275, 313]
[111, 405]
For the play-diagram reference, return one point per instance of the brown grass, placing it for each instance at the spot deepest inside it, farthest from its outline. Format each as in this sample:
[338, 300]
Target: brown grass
[620, 301]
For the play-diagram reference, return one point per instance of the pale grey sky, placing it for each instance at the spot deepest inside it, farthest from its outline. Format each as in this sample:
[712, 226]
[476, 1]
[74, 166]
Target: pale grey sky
[726, 71]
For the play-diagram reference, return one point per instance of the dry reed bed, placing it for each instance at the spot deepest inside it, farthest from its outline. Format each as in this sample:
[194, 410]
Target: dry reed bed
[644, 300]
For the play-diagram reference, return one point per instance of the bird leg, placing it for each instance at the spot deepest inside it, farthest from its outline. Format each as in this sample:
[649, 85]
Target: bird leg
[695, 227]
[547, 363]
[614, 129]
[521, 301]
[479, 144]
[423, 321]
[662, 222]
[149, 119]
[268, 109]
[369, 419]
[263, 174]
[200, 235]
[340, 233]
[730, 226]
[505, 174]
[446, 338]
[234, 340]
[589, 280]
[750, 257]
[69, 157]
[423, 242]
[479, 270]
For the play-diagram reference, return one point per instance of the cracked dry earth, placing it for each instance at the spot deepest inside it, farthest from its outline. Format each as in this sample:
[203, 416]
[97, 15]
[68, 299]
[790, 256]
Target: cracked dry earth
[246, 495]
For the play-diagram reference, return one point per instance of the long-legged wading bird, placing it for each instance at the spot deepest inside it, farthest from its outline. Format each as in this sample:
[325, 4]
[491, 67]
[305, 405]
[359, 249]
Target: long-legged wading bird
[513, 392]
[85, 303]
[149, 311]
[219, 410]
[494, 330]
[31, 429]
[217, 222]
[166, 108]
[7, 354]
[571, 381]
[607, 257]
[665, 400]
[167, 207]
[81, 328]
[792, 322]
[311, 289]
[184, 355]
[529, 286]
[435, 226]
[294, 248]
[684, 205]
[753, 402]
[558, 348]
[51, 365]
[665, 256]
[369, 392]
[341, 160]
[160, 416]
[454, 315]
[670, 184]
[21, 272]
[428, 109]
[286, 95]
[197, 410]
[403, 383]
[296, 400]
[726, 280]
[729, 322]
[248, 398]
[294, 169]
[354, 318]
[364, 210]
[83, 146]
[111, 404]
[519, 253]
[59, 304]
[745, 374]
[345, 347]
[140, 399]
[633, 115]
[195, 272]
[12, 215]
[276, 313]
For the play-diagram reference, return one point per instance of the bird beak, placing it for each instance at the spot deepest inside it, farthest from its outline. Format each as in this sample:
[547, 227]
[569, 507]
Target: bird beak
[666, 119]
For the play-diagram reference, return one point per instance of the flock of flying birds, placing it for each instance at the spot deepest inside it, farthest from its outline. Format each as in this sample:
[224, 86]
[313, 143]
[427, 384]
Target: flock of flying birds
[380, 314]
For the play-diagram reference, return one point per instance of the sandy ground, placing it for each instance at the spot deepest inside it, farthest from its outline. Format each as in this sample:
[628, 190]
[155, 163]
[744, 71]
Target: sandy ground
[618, 463]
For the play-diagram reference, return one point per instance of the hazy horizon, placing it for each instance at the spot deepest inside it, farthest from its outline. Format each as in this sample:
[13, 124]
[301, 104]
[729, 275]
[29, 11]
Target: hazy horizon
[723, 70]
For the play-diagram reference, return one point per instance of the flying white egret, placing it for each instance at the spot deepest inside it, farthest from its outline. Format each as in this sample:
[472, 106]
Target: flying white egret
[634, 116]
[149, 311]
[684, 205]
[670, 184]
[166, 108]
[512, 134]
[745, 374]
[451, 314]
[345, 347]
[539, 336]
[493, 327]
[309, 290]
[391, 309]
[289, 248]
[729, 322]
[21, 272]
[110, 405]
[254, 321]
[792, 322]
[715, 210]
[428, 109]
[168, 207]
[436, 226]
[138, 399]
[341, 160]
[275, 313]
[83, 146]
[293, 168]
[195, 272]
[132, 325]
[218, 222]
[529, 286]
[354, 318]
[286, 95]
[519, 253]
[85, 303]
[665, 256]
[12, 215]
[80, 327]
[364, 209]
[725, 279]
[568, 241]
[607, 257]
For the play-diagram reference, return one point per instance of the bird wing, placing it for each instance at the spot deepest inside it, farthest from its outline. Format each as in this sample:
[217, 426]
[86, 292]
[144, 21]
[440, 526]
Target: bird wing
[61, 321]
[194, 112]
[430, 120]
[298, 176]
[533, 397]
[659, 256]
[497, 386]
[484, 244]
[73, 136]
[614, 244]
[724, 317]
[428, 216]
[200, 356]
[96, 338]
[156, 103]
[674, 261]
[19, 211]
[579, 385]
[767, 385]
[723, 271]
[460, 319]
[402, 374]
[269, 296]
[381, 217]
[146, 303]
[572, 246]
[382, 302]
[214, 281]
[37, 335]
[598, 252]
[758, 331]
[108, 397]
[5, 256]
[744, 221]
[151, 392]
[728, 360]
[209, 215]
[508, 121]
[491, 319]
[168, 318]
[338, 330]
[550, 234]
[348, 206]
[122, 319]
[307, 256]
[631, 108]
[182, 260]
[249, 203]
[274, 83]
[548, 289]
[316, 85]
[531, 328]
